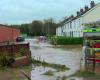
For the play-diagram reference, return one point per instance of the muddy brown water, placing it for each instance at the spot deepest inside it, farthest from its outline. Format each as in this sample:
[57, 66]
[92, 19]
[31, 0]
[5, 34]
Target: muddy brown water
[66, 55]
[70, 55]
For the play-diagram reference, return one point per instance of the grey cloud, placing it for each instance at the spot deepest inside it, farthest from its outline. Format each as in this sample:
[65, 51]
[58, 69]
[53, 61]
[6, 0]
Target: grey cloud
[18, 11]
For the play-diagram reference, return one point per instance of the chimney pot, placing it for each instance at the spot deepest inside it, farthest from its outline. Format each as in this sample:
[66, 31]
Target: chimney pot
[86, 8]
[72, 16]
[78, 13]
[92, 4]
[81, 11]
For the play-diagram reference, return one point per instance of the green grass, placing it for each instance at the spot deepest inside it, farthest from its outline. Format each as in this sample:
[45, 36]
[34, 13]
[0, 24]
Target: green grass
[62, 78]
[87, 74]
[72, 79]
[49, 73]
[58, 67]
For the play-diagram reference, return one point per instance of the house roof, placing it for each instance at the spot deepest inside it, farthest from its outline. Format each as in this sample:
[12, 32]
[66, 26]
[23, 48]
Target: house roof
[91, 9]
[2, 25]
[82, 14]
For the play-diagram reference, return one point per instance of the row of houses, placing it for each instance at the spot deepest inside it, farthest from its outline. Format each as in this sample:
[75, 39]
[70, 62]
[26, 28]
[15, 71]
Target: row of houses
[73, 25]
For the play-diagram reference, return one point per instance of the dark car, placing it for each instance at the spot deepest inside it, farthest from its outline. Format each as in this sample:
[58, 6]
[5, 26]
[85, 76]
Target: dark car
[20, 39]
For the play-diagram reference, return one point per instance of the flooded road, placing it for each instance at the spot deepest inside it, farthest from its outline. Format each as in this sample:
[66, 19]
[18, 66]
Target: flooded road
[69, 56]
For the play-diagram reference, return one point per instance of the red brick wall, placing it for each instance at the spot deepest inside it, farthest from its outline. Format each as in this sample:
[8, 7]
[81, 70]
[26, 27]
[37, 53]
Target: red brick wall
[16, 33]
[11, 50]
[14, 48]
[22, 61]
[8, 34]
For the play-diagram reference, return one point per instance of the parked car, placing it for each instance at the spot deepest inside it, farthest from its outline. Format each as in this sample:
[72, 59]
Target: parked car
[20, 39]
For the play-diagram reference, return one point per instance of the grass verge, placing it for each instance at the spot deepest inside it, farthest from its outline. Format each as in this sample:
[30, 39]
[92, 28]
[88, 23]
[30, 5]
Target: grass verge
[58, 67]
[49, 73]
[87, 74]
[62, 78]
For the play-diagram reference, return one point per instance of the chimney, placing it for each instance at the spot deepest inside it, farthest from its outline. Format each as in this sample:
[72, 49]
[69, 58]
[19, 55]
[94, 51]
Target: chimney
[72, 16]
[78, 13]
[92, 4]
[86, 8]
[81, 11]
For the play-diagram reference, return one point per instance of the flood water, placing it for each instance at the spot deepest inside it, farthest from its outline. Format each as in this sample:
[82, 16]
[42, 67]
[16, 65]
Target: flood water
[69, 56]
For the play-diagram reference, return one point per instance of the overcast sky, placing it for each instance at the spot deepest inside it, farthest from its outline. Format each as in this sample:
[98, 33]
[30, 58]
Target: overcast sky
[24, 11]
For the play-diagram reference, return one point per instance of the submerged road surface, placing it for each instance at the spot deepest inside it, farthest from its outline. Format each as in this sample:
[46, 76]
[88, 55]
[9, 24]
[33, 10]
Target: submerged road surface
[69, 56]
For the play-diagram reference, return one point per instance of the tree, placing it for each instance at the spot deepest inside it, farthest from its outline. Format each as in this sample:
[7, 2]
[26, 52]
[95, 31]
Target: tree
[50, 26]
[36, 27]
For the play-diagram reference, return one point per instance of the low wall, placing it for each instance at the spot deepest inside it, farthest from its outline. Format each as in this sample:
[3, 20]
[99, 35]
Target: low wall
[21, 61]
[20, 52]
[12, 49]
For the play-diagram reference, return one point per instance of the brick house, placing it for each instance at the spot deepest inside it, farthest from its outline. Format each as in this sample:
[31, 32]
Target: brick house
[8, 34]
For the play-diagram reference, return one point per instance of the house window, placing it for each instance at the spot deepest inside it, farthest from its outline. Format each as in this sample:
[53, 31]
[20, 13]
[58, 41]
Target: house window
[80, 22]
[70, 24]
[74, 24]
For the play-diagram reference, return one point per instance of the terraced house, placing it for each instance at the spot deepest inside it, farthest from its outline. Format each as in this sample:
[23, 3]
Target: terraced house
[73, 25]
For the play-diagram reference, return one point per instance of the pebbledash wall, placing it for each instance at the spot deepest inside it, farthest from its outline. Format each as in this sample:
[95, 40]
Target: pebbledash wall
[8, 33]
[73, 26]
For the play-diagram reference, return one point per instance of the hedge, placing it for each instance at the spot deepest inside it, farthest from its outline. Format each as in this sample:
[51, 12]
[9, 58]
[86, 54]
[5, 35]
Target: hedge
[59, 40]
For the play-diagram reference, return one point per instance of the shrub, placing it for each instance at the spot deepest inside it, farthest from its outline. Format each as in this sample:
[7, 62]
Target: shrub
[60, 40]
[4, 60]
[20, 53]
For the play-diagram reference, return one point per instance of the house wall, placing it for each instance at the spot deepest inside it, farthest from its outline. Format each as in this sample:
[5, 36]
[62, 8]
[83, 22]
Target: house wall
[73, 28]
[13, 49]
[8, 34]
[16, 33]
[93, 15]
[59, 31]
